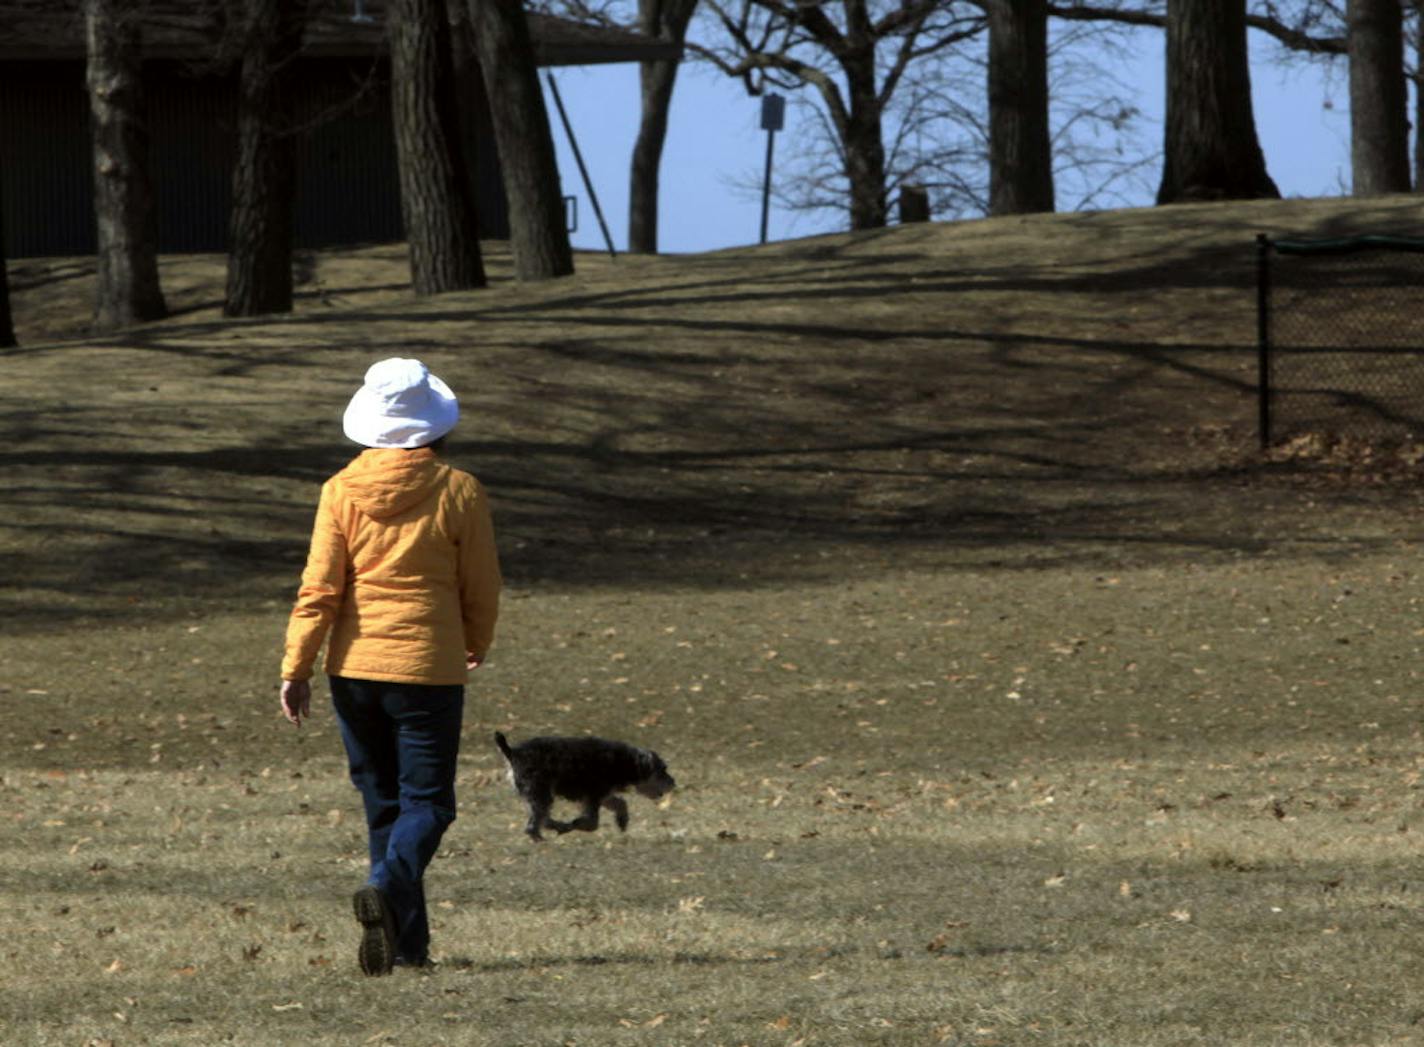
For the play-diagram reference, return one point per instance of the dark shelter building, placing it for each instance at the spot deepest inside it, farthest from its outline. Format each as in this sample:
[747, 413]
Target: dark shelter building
[348, 190]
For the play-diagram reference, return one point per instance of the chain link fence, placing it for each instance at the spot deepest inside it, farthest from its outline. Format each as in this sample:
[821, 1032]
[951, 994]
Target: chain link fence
[1340, 326]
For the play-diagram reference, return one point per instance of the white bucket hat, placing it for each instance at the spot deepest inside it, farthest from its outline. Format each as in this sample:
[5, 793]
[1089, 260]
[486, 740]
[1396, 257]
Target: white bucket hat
[401, 405]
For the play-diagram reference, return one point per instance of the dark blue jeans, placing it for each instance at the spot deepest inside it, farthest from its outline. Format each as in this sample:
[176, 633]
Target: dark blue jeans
[401, 742]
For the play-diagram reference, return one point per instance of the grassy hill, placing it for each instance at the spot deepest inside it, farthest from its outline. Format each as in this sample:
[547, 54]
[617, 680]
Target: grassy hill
[1034, 387]
[1013, 696]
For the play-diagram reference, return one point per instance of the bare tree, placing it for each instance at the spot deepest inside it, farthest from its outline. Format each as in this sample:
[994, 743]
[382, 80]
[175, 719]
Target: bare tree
[537, 230]
[128, 288]
[937, 130]
[259, 268]
[855, 62]
[982, 136]
[437, 203]
[1379, 107]
[1373, 35]
[667, 21]
[1370, 33]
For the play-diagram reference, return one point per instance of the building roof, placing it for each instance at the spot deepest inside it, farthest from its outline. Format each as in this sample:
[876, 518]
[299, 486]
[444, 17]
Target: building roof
[54, 29]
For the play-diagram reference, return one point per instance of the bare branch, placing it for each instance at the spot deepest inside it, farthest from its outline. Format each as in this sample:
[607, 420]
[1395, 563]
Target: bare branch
[1293, 38]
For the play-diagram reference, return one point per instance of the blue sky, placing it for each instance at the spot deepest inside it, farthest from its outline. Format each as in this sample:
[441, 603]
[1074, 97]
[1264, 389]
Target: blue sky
[714, 140]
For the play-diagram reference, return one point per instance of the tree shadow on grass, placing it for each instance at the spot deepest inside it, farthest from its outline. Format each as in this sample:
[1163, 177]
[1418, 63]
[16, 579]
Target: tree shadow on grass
[747, 503]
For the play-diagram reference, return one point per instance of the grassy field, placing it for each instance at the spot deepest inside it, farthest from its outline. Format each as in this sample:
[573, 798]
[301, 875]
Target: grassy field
[1014, 699]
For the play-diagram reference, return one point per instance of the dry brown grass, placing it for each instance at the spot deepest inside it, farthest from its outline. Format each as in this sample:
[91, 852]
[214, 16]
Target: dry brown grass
[1012, 698]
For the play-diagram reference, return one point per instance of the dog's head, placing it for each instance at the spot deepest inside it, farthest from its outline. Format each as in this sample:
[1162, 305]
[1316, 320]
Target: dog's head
[654, 780]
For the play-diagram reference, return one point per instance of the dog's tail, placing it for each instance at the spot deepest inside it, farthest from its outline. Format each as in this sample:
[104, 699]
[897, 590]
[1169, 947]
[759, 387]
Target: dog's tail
[503, 743]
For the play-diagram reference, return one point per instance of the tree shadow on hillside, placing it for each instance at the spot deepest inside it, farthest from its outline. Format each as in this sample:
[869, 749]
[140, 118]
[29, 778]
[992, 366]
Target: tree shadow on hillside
[690, 449]
[165, 527]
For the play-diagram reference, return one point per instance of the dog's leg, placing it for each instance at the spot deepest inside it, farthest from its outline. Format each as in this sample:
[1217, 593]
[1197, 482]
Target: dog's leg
[587, 821]
[540, 800]
[619, 807]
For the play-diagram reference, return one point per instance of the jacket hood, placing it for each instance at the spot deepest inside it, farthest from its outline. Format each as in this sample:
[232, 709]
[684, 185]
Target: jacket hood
[385, 482]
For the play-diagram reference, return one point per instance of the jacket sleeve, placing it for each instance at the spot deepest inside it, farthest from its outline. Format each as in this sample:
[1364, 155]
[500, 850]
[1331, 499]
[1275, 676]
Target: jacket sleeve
[480, 579]
[323, 587]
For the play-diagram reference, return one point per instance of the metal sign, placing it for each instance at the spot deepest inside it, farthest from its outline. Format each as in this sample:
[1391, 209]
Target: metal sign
[773, 112]
[773, 115]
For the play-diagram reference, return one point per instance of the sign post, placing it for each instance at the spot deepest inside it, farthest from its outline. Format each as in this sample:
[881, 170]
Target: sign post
[773, 116]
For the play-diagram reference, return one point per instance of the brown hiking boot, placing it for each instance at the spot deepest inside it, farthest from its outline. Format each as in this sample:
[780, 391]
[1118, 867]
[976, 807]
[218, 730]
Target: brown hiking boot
[378, 931]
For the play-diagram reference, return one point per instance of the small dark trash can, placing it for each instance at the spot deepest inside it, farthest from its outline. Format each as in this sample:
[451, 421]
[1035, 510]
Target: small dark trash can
[914, 203]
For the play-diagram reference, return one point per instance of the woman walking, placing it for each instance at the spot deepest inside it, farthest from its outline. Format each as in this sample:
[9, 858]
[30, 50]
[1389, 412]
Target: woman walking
[403, 578]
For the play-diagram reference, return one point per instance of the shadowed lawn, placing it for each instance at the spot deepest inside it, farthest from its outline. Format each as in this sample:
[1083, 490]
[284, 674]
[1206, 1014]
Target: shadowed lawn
[1012, 698]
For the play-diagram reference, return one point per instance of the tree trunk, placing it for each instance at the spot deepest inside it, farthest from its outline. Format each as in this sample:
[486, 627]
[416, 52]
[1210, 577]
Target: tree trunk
[1419, 96]
[1020, 152]
[436, 202]
[475, 152]
[664, 20]
[126, 219]
[864, 144]
[1379, 105]
[259, 263]
[1211, 148]
[537, 231]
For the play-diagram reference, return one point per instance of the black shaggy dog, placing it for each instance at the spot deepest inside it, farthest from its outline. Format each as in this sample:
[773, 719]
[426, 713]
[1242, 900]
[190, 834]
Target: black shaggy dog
[589, 771]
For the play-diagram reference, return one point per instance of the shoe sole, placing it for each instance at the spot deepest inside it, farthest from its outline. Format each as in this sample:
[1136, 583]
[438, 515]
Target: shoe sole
[377, 952]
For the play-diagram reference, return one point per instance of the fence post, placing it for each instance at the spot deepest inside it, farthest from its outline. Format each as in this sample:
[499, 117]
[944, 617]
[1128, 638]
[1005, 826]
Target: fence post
[1263, 338]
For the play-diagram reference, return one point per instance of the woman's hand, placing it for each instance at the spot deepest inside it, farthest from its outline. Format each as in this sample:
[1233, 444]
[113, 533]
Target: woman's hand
[296, 700]
[473, 661]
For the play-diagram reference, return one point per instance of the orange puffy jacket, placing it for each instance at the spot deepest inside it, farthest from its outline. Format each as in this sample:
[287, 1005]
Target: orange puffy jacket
[402, 571]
